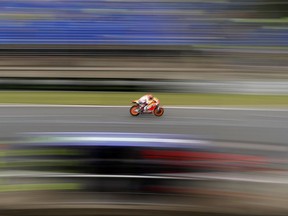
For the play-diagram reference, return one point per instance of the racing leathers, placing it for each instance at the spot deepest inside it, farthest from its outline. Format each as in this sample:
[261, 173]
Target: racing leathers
[147, 101]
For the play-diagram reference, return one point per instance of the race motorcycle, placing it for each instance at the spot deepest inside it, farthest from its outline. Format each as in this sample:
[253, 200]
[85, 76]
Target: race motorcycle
[155, 109]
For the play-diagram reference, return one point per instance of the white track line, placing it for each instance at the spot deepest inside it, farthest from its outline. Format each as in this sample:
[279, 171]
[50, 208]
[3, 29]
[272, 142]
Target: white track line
[168, 107]
[109, 69]
[203, 177]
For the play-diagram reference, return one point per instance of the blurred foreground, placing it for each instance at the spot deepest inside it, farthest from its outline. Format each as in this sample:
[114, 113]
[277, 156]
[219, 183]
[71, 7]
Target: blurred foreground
[151, 173]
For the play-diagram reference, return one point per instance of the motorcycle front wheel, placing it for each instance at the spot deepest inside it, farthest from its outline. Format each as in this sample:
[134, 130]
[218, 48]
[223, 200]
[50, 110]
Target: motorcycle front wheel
[159, 112]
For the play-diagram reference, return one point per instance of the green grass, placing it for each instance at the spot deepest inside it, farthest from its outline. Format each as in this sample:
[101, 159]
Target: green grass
[91, 98]
[240, 47]
[277, 20]
[41, 187]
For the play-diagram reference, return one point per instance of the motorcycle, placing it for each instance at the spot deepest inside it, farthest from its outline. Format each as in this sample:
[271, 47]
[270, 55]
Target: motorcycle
[155, 109]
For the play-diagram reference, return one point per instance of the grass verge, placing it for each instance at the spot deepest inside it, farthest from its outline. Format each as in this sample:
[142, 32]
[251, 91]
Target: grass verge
[96, 98]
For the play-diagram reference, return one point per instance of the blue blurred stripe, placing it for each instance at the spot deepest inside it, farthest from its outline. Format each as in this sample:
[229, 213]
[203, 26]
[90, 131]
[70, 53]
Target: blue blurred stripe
[126, 23]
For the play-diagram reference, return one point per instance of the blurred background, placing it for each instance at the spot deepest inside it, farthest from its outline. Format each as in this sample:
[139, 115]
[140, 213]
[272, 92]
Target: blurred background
[98, 160]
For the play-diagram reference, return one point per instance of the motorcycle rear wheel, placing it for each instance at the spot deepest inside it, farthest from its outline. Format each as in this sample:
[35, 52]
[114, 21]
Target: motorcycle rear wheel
[133, 110]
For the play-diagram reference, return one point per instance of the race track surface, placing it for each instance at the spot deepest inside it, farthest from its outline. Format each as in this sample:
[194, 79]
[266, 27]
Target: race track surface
[248, 131]
[233, 130]
[253, 126]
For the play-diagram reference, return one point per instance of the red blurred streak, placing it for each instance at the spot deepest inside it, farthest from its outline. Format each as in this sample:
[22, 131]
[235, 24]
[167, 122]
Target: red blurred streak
[184, 155]
[203, 192]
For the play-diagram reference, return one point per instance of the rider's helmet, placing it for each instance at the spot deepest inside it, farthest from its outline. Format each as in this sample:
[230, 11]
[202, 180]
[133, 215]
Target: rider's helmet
[150, 96]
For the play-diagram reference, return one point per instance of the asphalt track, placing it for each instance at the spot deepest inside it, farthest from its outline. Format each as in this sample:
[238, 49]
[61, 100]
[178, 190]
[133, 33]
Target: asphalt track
[233, 125]
[249, 131]
[244, 130]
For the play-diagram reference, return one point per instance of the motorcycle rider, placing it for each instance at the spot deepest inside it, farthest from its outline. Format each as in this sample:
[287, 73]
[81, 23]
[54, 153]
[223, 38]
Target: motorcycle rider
[147, 101]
